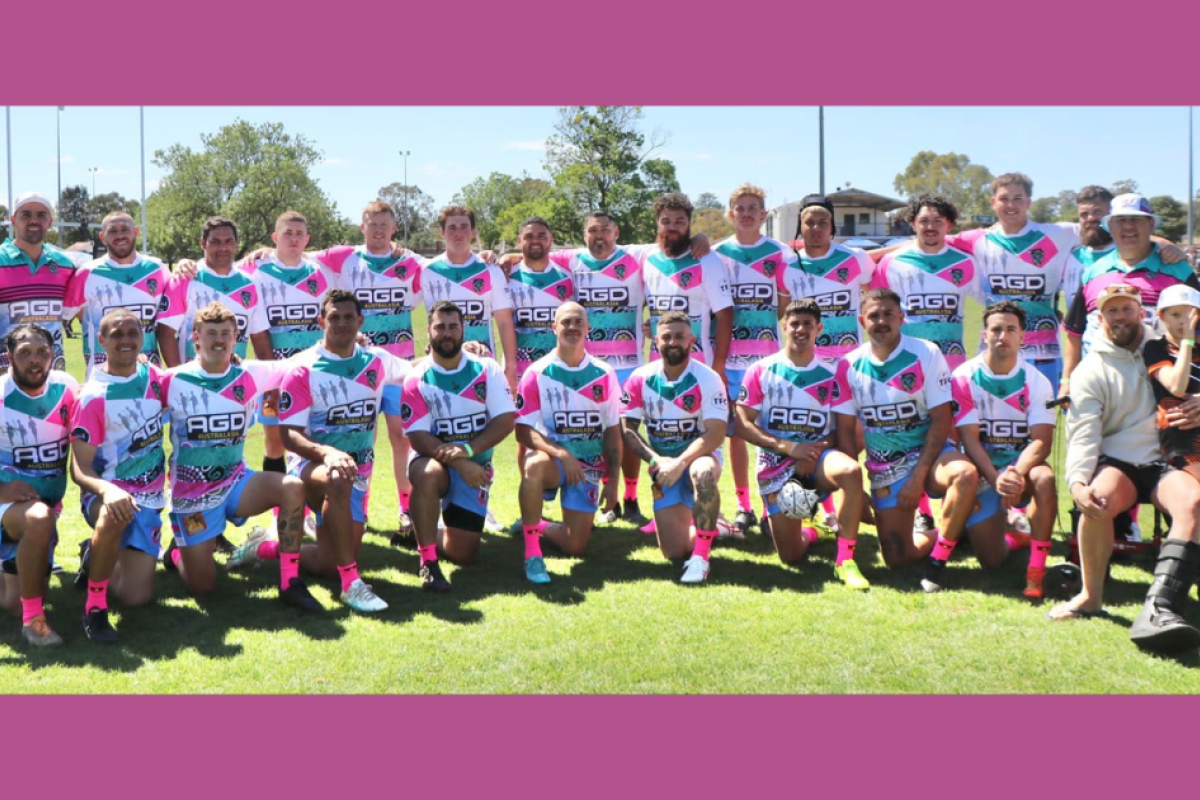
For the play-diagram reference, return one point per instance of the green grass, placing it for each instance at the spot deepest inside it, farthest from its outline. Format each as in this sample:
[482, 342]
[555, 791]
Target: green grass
[616, 621]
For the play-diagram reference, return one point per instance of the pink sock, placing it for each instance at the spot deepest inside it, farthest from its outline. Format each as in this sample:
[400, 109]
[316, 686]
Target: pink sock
[812, 534]
[533, 543]
[428, 553]
[631, 489]
[845, 550]
[405, 497]
[1015, 542]
[31, 607]
[923, 505]
[289, 567]
[943, 549]
[348, 574]
[97, 596]
[1037, 555]
[269, 549]
[827, 504]
[704, 543]
[176, 557]
[743, 498]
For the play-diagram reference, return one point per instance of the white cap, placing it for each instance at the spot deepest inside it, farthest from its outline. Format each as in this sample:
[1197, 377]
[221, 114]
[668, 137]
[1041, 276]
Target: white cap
[1130, 205]
[1180, 294]
[31, 197]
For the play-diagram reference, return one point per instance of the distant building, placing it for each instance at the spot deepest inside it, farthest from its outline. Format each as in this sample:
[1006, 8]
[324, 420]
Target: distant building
[857, 214]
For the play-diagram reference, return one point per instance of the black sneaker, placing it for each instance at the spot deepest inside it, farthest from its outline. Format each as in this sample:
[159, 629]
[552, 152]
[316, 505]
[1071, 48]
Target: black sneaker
[297, 595]
[934, 580]
[81, 577]
[611, 515]
[745, 520]
[167, 563]
[97, 627]
[224, 546]
[432, 579]
[634, 514]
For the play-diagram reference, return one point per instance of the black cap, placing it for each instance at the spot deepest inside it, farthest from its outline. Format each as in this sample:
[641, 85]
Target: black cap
[816, 200]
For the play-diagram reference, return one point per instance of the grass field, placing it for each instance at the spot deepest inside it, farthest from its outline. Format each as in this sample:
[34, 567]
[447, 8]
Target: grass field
[616, 621]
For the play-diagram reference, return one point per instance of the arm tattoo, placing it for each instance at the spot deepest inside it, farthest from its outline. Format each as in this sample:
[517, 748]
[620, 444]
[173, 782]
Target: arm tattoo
[634, 440]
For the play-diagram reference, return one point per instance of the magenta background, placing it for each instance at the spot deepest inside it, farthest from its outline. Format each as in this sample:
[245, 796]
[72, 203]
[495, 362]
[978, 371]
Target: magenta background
[535, 53]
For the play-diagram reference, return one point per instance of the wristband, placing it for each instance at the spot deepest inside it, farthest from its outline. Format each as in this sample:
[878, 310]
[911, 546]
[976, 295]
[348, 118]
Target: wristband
[470, 452]
[1188, 342]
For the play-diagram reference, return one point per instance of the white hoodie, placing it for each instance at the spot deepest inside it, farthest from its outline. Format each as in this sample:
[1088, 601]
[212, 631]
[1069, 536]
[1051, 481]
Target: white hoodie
[1112, 410]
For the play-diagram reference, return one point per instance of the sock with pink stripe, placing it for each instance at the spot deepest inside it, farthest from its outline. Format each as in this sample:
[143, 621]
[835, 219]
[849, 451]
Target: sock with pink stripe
[176, 557]
[704, 543]
[289, 567]
[31, 608]
[533, 540]
[631, 489]
[743, 498]
[845, 550]
[943, 549]
[405, 497]
[923, 505]
[348, 573]
[828, 506]
[269, 550]
[428, 553]
[97, 596]
[1038, 552]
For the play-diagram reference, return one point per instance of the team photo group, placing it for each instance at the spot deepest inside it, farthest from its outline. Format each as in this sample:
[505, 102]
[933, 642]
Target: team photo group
[846, 370]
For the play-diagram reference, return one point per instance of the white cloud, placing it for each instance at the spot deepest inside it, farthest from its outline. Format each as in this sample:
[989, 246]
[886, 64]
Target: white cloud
[535, 145]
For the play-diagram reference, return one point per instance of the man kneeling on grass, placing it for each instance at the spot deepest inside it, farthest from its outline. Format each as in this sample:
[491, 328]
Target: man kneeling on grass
[569, 424]
[687, 413]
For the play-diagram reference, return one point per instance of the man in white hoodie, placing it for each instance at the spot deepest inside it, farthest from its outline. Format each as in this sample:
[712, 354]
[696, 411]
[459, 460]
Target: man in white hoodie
[1114, 461]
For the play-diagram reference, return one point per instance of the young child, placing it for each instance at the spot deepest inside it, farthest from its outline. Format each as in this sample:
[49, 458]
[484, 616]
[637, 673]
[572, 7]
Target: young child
[1173, 363]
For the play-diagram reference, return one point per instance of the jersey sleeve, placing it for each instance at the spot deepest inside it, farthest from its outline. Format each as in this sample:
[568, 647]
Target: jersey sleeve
[258, 322]
[716, 400]
[879, 276]
[414, 411]
[631, 399]
[529, 400]
[499, 395]
[1075, 323]
[787, 260]
[963, 399]
[1040, 393]
[843, 401]
[610, 409]
[867, 267]
[563, 258]
[175, 311]
[716, 283]
[966, 240]
[752, 392]
[500, 297]
[395, 369]
[295, 399]
[268, 375]
[76, 295]
[333, 259]
[87, 420]
[937, 381]
[1157, 356]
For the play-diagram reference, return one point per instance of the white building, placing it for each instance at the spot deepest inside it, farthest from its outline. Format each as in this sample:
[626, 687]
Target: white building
[857, 214]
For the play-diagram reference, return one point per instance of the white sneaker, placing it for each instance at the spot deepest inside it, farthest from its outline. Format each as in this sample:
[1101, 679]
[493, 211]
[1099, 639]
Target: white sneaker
[1018, 522]
[695, 570]
[246, 554]
[830, 522]
[360, 597]
[725, 530]
[310, 526]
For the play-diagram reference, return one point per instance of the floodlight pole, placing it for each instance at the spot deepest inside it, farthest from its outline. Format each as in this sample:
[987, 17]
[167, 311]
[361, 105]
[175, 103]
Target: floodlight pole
[1191, 188]
[142, 127]
[406, 154]
[8, 146]
[821, 145]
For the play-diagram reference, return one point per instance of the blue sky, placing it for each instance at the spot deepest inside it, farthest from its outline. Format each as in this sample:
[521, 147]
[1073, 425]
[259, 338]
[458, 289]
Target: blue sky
[714, 148]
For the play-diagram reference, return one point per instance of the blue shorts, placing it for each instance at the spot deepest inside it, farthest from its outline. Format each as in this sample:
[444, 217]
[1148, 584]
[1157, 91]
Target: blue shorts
[144, 533]
[391, 399]
[1052, 369]
[771, 501]
[271, 418]
[734, 377]
[987, 505]
[463, 507]
[623, 375]
[892, 491]
[358, 497]
[8, 547]
[200, 526]
[585, 497]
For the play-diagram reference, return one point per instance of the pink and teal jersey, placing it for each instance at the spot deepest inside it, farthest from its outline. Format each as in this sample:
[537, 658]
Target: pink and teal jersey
[613, 293]
[834, 281]
[210, 415]
[34, 293]
[794, 404]
[1027, 268]
[572, 407]
[477, 288]
[933, 289]
[1079, 262]
[456, 405]
[756, 279]
[674, 411]
[236, 291]
[336, 401]
[292, 298]
[699, 287]
[35, 434]
[122, 417]
[893, 398]
[102, 285]
[535, 296]
[389, 288]
[1005, 407]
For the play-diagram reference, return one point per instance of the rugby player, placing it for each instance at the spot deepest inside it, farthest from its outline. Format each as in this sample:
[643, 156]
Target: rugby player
[122, 278]
[786, 410]
[569, 405]
[900, 387]
[756, 265]
[686, 411]
[999, 403]
[329, 405]
[456, 407]
[120, 467]
[34, 433]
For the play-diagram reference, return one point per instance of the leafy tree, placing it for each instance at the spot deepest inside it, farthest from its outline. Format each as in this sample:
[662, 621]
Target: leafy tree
[712, 222]
[599, 159]
[4, 215]
[708, 200]
[951, 175]
[1059, 208]
[422, 215]
[492, 196]
[1125, 186]
[102, 204]
[73, 209]
[1174, 217]
[248, 173]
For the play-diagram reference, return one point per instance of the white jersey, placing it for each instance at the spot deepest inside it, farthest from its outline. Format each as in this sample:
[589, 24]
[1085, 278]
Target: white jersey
[835, 282]
[236, 291]
[292, 297]
[893, 398]
[477, 288]
[756, 278]
[674, 411]
[612, 292]
[1005, 407]
[697, 287]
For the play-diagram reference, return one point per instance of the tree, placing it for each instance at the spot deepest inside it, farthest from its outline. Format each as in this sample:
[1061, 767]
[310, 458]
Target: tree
[1059, 208]
[4, 215]
[951, 175]
[248, 173]
[490, 197]
[599, 159]
[102, 204]
[708, 200]
[712, 222]
[1174, 217]
[422, 215]
[1125, 186]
